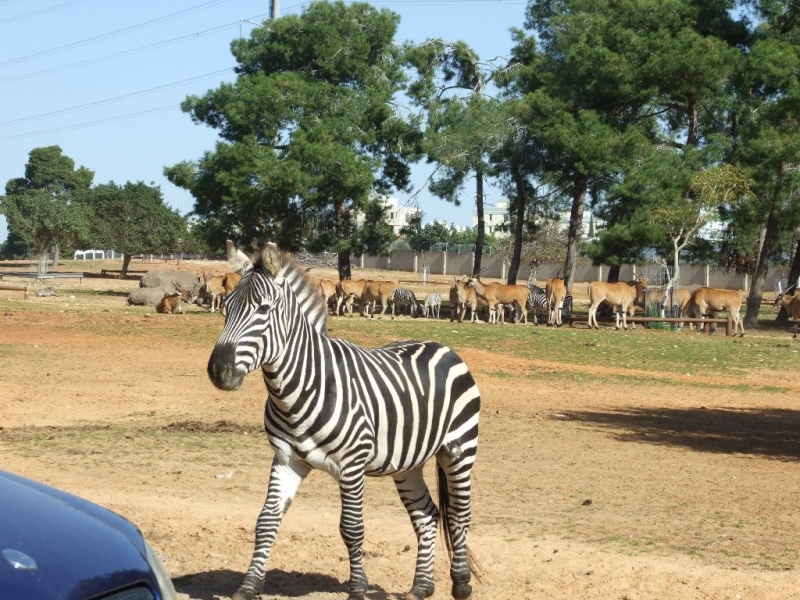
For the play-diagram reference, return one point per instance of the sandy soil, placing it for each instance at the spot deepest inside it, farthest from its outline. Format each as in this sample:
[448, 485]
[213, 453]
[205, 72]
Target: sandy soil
[626, 491]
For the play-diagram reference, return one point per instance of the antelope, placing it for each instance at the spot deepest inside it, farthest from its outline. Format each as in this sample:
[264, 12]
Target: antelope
[374, 291]
[328, 290]
[556, 291]
[620, 294]
[346, 291]
[171, 302]
[792, 305]
[218, 286]
[709, 300]
[496, 295]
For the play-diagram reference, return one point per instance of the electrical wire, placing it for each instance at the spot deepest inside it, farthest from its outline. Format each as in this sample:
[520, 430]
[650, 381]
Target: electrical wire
[151, 111]
[41, 11]
[110, 34]
[114, 99]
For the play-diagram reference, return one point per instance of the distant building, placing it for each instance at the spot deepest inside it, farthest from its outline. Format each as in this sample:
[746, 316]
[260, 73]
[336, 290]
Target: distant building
[399, 216]
[494, 219]
[498, 217]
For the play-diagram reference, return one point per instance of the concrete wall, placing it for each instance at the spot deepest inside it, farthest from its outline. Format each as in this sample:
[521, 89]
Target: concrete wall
[441, 263]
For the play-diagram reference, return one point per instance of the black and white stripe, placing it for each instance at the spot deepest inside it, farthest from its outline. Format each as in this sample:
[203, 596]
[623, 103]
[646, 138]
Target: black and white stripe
[433, 304]
[352, 412]
[403, 298]
[537, 302]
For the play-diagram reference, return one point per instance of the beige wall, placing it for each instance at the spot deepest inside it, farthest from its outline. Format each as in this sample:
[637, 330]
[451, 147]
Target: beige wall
[441, 263]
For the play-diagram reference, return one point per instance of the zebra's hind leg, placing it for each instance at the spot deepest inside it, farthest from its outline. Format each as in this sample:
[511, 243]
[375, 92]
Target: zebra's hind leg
[453, 473]
[283, 483]
[424, 517]
[351, 528]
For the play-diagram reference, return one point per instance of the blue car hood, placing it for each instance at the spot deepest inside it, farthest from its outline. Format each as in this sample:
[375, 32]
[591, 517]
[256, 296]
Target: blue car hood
[80, 549]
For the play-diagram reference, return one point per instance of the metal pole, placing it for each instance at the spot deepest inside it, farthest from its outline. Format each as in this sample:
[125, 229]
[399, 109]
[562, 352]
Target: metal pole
[274, 9]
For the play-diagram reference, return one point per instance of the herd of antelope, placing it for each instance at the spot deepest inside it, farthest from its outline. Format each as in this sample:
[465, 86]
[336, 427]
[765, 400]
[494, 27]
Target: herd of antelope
[468, 296]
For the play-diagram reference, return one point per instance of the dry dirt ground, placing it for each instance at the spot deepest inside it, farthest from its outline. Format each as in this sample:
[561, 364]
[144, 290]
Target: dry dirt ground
[622, 489]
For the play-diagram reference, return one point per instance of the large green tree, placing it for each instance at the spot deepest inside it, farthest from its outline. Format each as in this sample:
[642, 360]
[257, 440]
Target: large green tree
[132, 219]
[309, 132]
[463, 124]
[40, 206]
[607, 81]
[767, 133]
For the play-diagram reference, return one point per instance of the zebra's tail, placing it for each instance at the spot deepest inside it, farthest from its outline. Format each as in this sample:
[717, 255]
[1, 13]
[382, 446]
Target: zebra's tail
[444, 524]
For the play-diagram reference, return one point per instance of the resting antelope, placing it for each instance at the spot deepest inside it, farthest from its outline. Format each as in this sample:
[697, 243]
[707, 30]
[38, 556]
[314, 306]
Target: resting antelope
[496, 295]
[171, 303]
[556, 291]
[709, 300]
[620, 294]
[792, 305]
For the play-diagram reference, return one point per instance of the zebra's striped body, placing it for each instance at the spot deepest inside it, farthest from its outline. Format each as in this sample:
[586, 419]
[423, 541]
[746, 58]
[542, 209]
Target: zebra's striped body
[351, 412]
[433, 304]
[537, 301]
[403, 298]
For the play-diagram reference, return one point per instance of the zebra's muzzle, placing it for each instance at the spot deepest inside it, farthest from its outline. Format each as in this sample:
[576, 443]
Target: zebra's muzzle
[222, 369]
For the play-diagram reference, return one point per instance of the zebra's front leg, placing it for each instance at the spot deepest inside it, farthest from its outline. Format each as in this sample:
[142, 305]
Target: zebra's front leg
[351, 528]
[284, 479]
[424, 518]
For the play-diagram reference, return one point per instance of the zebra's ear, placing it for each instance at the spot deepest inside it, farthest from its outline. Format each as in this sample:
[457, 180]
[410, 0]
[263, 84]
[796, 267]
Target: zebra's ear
[271, 258]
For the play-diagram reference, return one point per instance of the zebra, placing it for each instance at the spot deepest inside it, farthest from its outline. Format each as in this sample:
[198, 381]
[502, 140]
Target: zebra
[403, 297]
[433, 304]
[352, 412]
[537, 301]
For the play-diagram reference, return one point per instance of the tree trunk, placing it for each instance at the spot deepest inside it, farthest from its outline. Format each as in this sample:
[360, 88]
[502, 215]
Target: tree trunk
[760, 276]
[613, 274]
[480, 234]
[126, 262]
[522, 202]
[344, 265]
[575, 228]
[794, 273]
[342, 231]
[56, 252]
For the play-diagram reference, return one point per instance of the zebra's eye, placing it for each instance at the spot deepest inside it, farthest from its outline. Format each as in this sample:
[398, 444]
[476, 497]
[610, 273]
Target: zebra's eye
[264, 309]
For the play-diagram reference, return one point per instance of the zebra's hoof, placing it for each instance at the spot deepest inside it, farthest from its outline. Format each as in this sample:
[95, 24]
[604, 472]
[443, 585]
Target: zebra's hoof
[462, 591]
[419, 593]
[244, 594]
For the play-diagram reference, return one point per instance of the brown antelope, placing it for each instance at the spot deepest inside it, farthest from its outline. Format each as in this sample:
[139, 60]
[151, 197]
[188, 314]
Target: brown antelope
[556, 291]
[327, 289]
[792, 305]
[348, 290]
[496, 295]
[710, 300]
[620, 294]
[171, 302]
[374, 291]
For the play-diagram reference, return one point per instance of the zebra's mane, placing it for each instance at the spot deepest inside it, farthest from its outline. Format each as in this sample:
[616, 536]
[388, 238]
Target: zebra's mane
[311, 303]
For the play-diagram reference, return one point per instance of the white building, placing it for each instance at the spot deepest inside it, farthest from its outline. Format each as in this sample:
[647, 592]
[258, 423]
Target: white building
[494, 218]
[498, 216]
[399, 216]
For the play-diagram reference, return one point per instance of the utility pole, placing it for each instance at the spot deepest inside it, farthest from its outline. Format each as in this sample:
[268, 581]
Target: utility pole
[274, 9]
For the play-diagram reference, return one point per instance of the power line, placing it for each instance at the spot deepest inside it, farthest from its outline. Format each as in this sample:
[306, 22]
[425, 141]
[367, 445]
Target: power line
[151, 111]
[115, 55]
[41, 11]
[111, 34]
[114, 99]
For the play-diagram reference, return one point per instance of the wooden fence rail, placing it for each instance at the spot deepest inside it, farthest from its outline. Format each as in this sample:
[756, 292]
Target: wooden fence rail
[705, 322]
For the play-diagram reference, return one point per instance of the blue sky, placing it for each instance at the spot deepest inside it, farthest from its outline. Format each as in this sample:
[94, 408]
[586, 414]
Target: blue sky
[103, 79]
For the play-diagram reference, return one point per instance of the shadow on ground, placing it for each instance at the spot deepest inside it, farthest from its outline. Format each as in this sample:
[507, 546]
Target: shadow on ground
[768, 432]
[212, 585]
